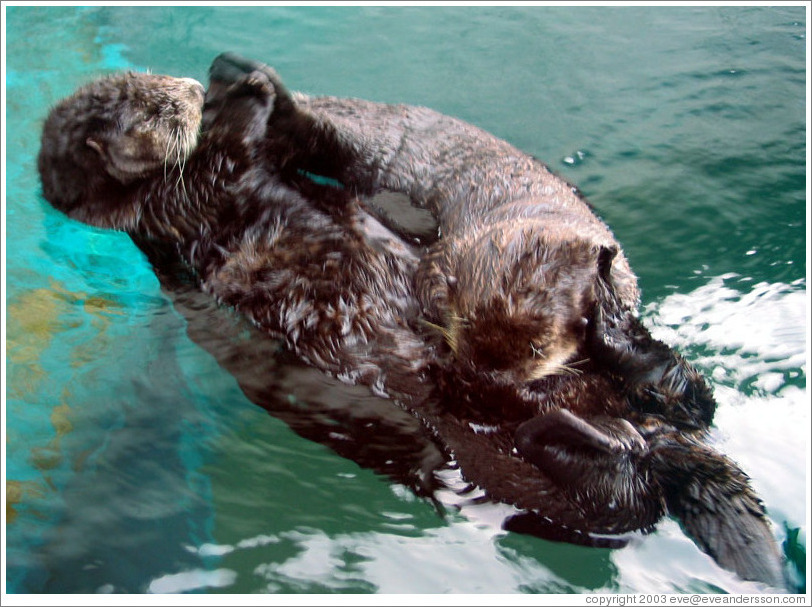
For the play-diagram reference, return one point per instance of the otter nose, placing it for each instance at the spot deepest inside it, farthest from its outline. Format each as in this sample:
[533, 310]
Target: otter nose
[195, 86]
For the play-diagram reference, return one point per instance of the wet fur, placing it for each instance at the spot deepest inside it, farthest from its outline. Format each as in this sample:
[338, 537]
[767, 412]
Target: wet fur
[315, 276]
[606, 437]
[545, 354]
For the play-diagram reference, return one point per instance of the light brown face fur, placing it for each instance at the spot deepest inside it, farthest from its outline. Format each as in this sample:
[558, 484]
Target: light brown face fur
[123, 128]
[515, 298]
[157, 125]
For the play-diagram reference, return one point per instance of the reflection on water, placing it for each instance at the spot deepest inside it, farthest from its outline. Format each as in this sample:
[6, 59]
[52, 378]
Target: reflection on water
[35, 318]
[32, 321]
[22, 492]
[311, 560]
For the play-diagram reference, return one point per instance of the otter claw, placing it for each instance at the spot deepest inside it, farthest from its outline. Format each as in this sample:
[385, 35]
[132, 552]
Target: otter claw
[255, 83]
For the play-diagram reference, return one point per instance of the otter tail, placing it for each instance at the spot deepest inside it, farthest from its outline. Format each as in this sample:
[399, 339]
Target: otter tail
[712, 498]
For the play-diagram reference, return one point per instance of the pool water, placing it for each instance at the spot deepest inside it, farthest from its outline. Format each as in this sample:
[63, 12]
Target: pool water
[135, 460]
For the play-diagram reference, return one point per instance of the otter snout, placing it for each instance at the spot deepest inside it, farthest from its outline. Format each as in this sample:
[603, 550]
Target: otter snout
[196, 87]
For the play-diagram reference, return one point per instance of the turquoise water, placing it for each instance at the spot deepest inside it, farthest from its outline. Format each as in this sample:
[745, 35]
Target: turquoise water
[135, 462]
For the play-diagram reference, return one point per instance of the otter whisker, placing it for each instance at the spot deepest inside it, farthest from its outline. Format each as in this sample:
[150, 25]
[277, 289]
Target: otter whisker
[167, 151]
[171, 152]
[569, 368]
[460, 320]
[432, 325]
[448, 334]
[180, 161]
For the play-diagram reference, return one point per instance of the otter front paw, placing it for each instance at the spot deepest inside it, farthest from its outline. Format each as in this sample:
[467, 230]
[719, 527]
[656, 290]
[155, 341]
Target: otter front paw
[558, 441]
[254, 84]
[229, 67]
[239, 111]
[599, 462]
[238, 75]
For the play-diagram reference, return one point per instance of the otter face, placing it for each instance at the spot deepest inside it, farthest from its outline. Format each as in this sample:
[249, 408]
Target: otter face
[514, 304]
[114, 132]
[157, 126]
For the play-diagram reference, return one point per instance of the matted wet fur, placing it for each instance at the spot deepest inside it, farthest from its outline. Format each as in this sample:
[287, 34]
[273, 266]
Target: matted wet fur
[513, 337]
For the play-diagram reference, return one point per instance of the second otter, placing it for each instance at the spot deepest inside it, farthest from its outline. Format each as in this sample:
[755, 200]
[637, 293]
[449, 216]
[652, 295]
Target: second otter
[602, 451]
[545, 355]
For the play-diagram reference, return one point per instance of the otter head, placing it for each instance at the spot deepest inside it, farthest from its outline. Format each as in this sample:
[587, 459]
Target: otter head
[514, 302]
[112, 134]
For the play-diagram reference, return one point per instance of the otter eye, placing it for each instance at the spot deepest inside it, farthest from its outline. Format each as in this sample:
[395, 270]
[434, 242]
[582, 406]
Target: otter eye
[152, 112]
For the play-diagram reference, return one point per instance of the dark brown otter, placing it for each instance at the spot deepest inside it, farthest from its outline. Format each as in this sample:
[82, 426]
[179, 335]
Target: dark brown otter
[305, 261]
[329, 279]
[548, 368]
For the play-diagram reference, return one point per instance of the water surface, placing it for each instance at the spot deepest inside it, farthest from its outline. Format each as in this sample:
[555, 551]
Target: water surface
[136, 463]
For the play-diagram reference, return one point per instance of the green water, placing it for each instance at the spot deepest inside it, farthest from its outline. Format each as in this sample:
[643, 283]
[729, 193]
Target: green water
[135, 463]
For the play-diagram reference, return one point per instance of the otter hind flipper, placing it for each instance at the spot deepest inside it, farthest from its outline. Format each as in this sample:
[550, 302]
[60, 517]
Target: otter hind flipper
[713, 501]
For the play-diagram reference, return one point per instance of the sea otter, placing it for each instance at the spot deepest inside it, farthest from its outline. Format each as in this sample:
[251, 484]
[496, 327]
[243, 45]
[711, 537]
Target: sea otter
[546, 357]
[606, 445]
[333, 283]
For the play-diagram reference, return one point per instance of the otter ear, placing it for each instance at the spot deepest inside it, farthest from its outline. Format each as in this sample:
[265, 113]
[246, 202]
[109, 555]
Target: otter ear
[126, 156]
[606, 256]
[605, 299]
[95, 144]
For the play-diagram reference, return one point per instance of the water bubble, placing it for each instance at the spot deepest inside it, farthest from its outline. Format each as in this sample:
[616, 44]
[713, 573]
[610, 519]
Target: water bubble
[575, 159]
